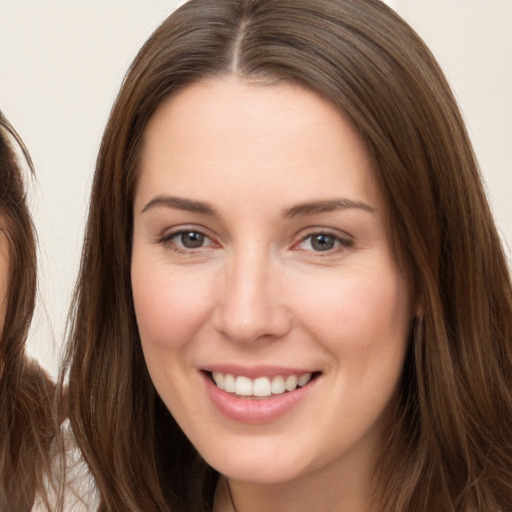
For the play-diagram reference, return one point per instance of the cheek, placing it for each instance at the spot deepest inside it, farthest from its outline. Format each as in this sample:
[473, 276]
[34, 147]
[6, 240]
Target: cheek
[363, 322]
[358, 313]
[169, 306]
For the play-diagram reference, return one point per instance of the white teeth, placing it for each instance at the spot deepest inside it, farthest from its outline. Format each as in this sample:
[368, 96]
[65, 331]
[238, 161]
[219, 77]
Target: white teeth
[278, 386]
[260, 387]
[229, 383]
[218, 378]
[304, 379]
[291, 383]
[243, 386]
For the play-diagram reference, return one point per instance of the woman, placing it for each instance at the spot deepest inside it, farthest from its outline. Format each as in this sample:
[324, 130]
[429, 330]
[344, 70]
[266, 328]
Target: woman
[292, 293]
[27, 421]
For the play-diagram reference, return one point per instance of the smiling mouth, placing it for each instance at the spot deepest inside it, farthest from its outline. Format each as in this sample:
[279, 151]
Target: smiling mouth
[260, 387]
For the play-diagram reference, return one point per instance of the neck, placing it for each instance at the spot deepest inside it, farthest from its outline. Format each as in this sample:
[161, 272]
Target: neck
[318, 492]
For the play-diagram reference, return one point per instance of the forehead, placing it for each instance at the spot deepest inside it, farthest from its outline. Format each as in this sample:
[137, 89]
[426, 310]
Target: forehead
[230, 130]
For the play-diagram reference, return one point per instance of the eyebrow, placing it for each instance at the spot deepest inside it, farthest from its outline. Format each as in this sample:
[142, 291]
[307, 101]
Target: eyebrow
[329, 205]
[302, 209]
[180, 203]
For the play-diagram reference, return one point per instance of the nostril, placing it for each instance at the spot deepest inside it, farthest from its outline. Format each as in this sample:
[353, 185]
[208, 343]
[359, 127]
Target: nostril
[249, 311]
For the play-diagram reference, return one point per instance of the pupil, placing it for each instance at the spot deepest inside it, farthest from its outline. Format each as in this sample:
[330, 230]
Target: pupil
[322, 242]
[192, 240]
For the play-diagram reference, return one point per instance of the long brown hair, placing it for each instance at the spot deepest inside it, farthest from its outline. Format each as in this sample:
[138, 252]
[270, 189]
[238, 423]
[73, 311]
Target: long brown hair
[451, 446]
[27, 421]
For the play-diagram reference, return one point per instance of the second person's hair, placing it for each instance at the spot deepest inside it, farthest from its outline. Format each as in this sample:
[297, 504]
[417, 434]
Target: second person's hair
[28, 423]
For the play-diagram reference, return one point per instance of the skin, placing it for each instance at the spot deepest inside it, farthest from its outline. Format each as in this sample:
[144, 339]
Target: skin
[259, 293]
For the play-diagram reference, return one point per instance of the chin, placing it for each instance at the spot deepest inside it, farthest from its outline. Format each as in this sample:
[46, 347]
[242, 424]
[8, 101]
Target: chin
[258, 474]
[258, 465]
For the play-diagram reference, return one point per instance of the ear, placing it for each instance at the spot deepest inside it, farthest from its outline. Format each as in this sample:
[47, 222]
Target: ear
[417, 306]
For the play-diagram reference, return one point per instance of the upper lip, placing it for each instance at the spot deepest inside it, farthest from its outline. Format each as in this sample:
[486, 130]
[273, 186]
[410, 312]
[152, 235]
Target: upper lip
[254, 372]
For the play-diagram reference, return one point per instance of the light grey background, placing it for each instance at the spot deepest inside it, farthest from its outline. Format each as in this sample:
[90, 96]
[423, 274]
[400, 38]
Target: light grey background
[62, 62]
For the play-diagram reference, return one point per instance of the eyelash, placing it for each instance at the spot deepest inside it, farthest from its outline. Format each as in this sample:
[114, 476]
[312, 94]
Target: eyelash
[167, 240]
[341, 244]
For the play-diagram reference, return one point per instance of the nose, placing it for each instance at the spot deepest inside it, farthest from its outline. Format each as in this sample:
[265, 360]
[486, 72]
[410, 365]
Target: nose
[250, 306]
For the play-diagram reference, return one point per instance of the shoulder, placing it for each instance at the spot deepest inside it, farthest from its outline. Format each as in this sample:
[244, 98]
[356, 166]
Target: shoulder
[80, 493]
[77, 493]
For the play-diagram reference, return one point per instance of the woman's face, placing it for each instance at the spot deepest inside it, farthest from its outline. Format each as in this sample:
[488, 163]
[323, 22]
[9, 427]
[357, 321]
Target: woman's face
[261, 260]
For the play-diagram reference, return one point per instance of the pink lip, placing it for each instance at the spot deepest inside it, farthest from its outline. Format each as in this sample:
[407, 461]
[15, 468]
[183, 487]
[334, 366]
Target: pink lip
[246, 410]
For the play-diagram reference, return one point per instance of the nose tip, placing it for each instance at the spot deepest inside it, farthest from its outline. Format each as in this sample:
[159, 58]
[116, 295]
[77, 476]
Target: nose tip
[253, 327]
[249, 310]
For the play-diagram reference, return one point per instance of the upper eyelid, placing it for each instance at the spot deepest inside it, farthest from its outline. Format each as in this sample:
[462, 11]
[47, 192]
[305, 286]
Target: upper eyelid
[317, 230]
[169, 232]
[301, 236]
[166, 240]
[345, 242]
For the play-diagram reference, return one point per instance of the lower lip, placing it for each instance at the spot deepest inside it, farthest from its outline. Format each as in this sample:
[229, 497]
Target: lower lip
[262, 410]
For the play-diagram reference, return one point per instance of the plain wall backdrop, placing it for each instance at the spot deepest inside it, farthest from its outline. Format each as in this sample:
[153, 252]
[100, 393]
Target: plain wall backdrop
[61, 65]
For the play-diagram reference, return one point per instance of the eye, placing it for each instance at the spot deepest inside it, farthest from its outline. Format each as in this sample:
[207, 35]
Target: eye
[323, 241]
[191, 239]
[186, 240]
